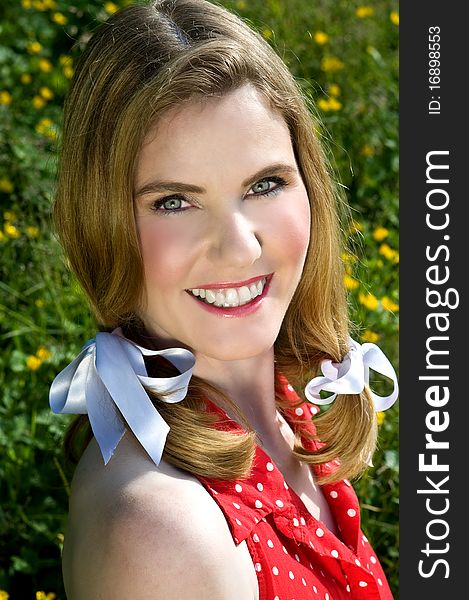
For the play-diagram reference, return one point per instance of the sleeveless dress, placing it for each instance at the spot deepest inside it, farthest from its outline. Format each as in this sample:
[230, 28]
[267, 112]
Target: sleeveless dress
[295, 556]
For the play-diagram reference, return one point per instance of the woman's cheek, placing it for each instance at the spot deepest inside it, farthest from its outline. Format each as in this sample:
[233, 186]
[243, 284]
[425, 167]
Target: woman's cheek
[165, 251]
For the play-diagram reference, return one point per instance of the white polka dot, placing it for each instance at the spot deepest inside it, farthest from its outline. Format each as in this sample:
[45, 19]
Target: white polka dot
[286, 485]
[303, 581]
[290, 574]
[236, 505]
[364, 538]
[315, 589]
[275, 570]
[238, 522]
[313, 409]
[290, 387]
[302, 521]
[258, 504]
[319, 532]
[358, 563]
[373, 559]
[256, 520]
[347, 482]
[276, 598]
[362, 583]
[270, 543]
[326, 596]
[279, 503]
[269, 466]
[347, 588]
[335, 554]
[296, 522]
[258, 566]
[351, 512]
[379, 581]
[255, 537]
[333, 494]
[260, 487]
[285, 550]
[297, 557]
[236, 540]
[238, 488]
[312, 545]
[214, 491]
[299, 411]
[363, 543]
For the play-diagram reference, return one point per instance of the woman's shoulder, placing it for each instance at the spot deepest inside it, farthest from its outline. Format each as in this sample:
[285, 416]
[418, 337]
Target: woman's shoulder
[137, 530]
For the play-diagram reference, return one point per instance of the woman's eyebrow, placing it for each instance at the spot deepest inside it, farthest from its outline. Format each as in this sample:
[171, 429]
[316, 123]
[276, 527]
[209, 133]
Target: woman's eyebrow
[177, 186]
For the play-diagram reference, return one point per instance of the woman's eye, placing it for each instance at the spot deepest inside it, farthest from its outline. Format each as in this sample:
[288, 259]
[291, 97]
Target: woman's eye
[266, 187]
[171, 204]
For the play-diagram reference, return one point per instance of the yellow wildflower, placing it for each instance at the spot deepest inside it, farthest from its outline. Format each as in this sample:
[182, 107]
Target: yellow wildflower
[59, 18]
[380, 417]
[33, 363]
[267, 33]
[26, 78]
[45, 65]
[39, 302]
[334, 104]
[33, 47]
[64, 59]
[5, 98]
[46, 128]
[394, 16]
[331, 64]
[7, 186]
[350, 282]
[68, 71]
[4, 595]
[110, 7]
[321, 38]
[43, 353]
[380, 233]
[367, 150]
[9, 215]
[25, 4]
[369, 301]
[355, 227]
[11, 231]
[38, 102]
[329, 104]
[61, 537]
[388, 304]
[323, 104]
[348, 257]
[241, 5]
[2, 239]
[389, 253]
[46, 93]
[334, 89]
[39, 5]
[50, 4]
[364, 11]
[32, 232]
[370, 336]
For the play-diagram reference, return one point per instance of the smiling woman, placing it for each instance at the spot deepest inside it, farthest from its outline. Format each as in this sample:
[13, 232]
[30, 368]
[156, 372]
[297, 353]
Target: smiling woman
[196, 208]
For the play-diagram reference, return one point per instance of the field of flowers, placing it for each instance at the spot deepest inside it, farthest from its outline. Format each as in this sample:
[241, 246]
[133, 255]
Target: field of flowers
[345, 56]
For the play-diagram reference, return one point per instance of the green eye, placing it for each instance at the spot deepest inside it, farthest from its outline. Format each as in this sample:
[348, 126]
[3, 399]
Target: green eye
[172, 204]
[261, 186]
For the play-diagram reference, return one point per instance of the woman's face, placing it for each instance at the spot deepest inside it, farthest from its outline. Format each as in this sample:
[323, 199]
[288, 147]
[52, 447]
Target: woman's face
[224, 221]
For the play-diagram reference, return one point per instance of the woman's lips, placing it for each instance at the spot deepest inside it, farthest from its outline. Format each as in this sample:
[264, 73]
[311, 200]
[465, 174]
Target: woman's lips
[233, 301]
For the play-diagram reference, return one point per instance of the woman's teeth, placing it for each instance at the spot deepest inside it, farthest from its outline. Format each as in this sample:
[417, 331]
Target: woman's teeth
[231, 296]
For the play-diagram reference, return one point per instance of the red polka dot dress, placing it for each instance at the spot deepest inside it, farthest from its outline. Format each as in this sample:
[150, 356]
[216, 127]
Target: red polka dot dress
[295, 556]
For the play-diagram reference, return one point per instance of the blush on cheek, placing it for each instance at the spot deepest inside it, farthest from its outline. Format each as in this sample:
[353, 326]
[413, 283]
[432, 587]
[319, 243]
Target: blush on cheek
[295, 230]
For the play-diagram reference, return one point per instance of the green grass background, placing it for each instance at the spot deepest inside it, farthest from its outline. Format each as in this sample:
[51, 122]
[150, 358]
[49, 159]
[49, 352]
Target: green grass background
[345, 56]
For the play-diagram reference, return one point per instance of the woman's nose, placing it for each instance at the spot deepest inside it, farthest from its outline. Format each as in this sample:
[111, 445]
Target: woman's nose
[235, 242]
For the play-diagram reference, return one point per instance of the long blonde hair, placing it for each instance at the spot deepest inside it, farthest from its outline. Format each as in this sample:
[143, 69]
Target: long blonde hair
[143, 61]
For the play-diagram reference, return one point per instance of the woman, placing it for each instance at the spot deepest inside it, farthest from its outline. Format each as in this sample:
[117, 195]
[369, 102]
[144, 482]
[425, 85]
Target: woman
[196, 209]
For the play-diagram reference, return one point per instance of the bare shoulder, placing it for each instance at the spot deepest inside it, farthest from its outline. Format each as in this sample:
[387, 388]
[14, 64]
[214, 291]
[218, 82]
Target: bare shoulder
[136, 530]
